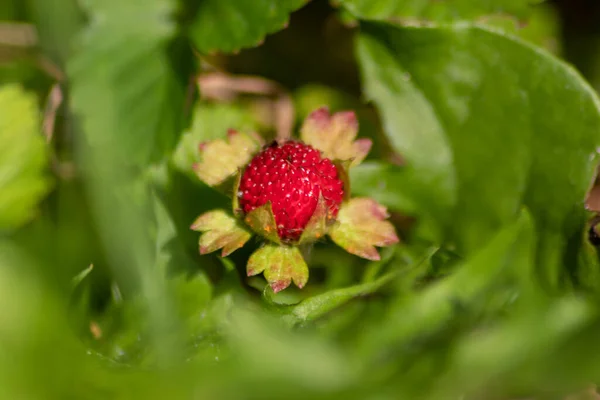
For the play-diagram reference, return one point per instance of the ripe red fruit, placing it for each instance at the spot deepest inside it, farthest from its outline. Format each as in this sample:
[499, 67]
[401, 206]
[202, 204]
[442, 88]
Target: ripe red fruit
[291, 176]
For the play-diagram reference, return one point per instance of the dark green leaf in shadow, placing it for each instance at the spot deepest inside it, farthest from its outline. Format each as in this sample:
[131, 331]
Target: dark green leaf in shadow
[228, 26]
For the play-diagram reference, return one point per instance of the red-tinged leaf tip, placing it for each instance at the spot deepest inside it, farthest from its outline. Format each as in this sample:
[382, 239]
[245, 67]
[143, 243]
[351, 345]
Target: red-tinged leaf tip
[377, 210]
[318, 118]
[369, 253]
[361, 226]
[335, 135]
[199, 223]
[363, 146]
[280, 285]
[231, 133]
[220, 231]
[281, 266]
[347, 119]
[235, 243]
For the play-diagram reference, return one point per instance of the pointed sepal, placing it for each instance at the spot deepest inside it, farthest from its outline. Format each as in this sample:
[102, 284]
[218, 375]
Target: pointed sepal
[335, 135]
[344, 175]
[318, 224]
[235, 196]
[220, 231]
[220, 159]
[361, 226]
[262, 221]
[281, 265]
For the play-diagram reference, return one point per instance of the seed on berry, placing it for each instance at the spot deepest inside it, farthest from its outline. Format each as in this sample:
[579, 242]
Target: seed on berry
[291, 176]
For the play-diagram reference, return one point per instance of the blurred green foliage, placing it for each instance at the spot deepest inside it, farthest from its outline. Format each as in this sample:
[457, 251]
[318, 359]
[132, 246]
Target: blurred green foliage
[485, 145]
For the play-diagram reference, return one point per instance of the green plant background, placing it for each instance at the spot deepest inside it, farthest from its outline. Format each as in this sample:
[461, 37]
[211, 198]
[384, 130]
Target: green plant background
[485, 145]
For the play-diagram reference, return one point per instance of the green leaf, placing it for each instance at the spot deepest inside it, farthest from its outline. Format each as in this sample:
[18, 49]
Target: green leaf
[504, 111]
[281, 266]
[23, 157]
[192, 295]
[220, 231]
[361, 225]
[231, 25]
[415, 133]
[57, 23]
[309, 97]
[270, 353]
[383, 183]
[123, 80]
[128, 98]
[543, 27]
[318, 306]
[418, 11]
[540, 333]
[508, 254]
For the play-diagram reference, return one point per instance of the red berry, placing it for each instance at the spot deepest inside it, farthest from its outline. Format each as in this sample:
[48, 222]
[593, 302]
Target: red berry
[291, 176]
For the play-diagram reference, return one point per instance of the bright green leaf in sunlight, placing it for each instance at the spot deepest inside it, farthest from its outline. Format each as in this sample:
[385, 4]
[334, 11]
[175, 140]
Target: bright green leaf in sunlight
[23, 157]
[231, 25]
[505, 113]
[128, 97]
[125, 90]
[411, 11]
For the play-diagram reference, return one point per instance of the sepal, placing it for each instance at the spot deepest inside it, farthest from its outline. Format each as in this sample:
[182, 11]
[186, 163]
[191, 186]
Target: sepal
[262, 221]
[343, 168]
[361, 225]
[318, 224]
[335, 135]
[281, 265]
[220, 159]
[220, 231]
